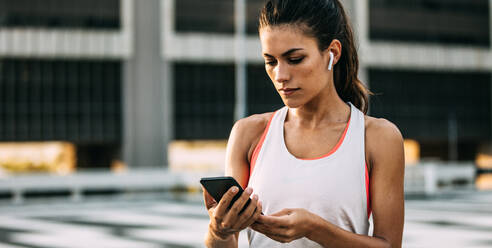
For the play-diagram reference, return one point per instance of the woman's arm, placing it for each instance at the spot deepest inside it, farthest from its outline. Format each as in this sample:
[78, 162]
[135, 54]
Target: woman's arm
[385, 147]
[226, 224]
[387, 168]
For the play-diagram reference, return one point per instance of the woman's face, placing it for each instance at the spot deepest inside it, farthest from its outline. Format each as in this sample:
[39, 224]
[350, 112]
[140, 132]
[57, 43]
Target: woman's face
[298, 70]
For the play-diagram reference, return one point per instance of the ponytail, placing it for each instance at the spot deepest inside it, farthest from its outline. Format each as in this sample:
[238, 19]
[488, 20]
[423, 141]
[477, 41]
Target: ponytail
[347, 83]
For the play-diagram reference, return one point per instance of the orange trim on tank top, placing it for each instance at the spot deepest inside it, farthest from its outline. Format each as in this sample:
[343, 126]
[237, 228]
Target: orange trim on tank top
[369, 210]
[257, 149]
[334, 148]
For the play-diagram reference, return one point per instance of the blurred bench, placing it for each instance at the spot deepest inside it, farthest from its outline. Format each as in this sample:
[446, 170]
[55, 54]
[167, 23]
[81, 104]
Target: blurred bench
[430, 178]
[77, 185]
[197, 156]
[26, 157]
[189, 161]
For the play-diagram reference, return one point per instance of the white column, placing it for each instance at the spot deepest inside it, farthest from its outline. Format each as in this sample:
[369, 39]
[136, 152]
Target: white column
[167, 19]
[361, 29]
[362, 19]
[361, 25]
[490, 58]
[146, 93]
[240, 59]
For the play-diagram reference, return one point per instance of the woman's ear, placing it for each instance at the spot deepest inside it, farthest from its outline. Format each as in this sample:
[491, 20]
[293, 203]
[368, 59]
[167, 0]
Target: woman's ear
[334, 53]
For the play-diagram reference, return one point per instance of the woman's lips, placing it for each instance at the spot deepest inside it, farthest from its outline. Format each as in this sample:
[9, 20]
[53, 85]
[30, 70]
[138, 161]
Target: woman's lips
[288, 91]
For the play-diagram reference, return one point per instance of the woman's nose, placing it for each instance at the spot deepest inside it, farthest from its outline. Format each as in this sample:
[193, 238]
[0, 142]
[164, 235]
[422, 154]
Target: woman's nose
[281, 73]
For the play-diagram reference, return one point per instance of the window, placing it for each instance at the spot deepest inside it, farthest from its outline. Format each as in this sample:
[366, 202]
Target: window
[262, 96]
[253, 13]
[205, 97]
[424, 104]
[87, 14]
[72, 100]
[437, 21]
[204, 100]
[214, 16]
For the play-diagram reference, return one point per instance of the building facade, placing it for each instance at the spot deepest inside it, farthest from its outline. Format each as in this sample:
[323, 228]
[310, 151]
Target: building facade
[123, 78]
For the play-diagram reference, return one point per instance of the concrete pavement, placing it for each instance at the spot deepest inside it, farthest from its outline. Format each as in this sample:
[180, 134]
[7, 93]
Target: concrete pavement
[456, 219]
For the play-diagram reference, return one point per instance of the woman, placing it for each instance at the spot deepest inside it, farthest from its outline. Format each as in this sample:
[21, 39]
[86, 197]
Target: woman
[319, 165]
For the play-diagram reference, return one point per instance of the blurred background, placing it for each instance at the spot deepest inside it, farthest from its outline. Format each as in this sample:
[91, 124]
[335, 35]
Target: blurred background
[111, 111]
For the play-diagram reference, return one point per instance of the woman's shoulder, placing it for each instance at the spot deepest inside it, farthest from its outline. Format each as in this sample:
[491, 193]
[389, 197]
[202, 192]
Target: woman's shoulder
[250, 130]
[381, 127]
[382, 139]
[252, 126]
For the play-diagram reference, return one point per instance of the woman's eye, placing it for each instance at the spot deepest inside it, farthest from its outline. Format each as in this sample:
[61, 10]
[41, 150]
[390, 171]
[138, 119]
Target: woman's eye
[296, 60]
[270, 62]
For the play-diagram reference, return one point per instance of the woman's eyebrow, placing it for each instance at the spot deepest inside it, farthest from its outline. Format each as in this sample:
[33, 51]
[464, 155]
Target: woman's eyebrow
[285, 54]
[290, 51]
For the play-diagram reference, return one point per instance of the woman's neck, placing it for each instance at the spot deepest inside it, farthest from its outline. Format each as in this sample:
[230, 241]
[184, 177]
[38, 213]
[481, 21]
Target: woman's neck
[325, 108]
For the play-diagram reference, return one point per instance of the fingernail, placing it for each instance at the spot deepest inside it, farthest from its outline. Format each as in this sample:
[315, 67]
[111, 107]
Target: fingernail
[255, 197]
[260, 203]
[249, 190]
[234, 189]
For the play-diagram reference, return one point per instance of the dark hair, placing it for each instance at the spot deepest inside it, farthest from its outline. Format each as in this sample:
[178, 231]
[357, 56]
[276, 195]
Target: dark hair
[324, 20]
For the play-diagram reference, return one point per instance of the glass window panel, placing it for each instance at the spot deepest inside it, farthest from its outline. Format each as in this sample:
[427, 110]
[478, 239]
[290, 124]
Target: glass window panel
[423, 104]
[203, 100]
[87, 14]
[44, 99]
[262, 96]
[436, 21]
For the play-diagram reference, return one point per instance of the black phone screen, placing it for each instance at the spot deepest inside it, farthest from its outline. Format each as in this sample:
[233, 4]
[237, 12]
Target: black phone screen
[218, 186]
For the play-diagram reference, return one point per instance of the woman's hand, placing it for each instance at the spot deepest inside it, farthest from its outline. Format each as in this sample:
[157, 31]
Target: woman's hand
[224, 221]
[285, 226]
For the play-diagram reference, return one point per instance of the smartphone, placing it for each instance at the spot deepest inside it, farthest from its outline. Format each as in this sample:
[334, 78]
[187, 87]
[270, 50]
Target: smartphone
[218, 186]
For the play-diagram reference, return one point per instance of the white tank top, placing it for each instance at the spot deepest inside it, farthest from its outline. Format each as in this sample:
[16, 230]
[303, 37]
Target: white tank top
[334, 186]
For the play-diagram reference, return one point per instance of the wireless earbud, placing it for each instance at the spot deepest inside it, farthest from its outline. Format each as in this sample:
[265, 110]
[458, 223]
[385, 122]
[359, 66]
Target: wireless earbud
[330, 65]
